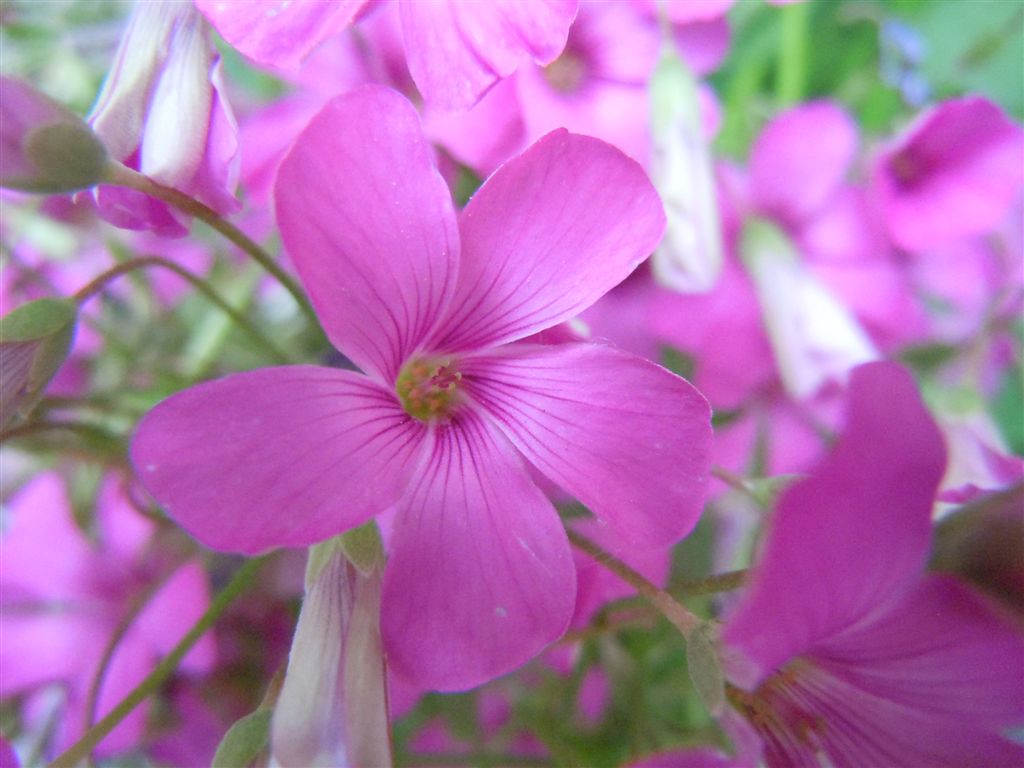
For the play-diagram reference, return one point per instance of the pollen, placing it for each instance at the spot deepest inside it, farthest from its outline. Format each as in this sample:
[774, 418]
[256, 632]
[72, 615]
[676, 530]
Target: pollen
[429, 389]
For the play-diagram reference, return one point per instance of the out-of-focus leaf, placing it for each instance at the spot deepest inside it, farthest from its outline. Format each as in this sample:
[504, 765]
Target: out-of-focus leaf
[975, 46]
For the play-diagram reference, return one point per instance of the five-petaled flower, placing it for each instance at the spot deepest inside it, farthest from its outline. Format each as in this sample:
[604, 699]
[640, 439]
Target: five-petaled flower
[456, 400]
[848, 653]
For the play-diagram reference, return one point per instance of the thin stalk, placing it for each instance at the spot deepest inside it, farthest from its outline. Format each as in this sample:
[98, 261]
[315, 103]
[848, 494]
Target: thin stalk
[720, 582]
[122, 176]
[138, 606]
[82, 428]
[792, 69]
[84, 746]
[101, 281]
[681, 618]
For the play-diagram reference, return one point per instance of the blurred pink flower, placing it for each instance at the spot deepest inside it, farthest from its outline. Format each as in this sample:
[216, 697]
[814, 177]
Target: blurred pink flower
[846, 652]
[430, 306]
[162, 112]
[456, 49]
[63, 598]
[954, 173]
[597, 86]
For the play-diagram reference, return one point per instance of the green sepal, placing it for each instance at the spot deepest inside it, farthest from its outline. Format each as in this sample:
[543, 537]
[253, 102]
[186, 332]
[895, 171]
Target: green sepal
[244, 740]
[67, 157]
[363, 547]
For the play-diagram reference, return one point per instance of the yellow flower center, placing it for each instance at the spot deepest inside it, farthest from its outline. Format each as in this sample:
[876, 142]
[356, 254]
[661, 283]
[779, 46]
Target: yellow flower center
[428, 389]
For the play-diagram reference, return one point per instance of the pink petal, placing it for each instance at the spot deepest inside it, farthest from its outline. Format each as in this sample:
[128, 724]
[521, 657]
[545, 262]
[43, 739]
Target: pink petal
[172, 612]
[45, 555]
[8, 758]
[726, 373]
[47, 646]
[686, 11]
[852, 537]
[800, 160]
[703, 44]
[626, 437]
[457, 49]
[954, 174]
[546, 236]
[368, 222]
[480, 576]
[130, 664]
[278, 33]
[276, 457]
[484, 136]
[935, 681]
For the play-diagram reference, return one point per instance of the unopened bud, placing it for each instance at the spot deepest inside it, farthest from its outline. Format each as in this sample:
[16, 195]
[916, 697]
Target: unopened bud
[44, 147]
[815, 337]
[34, 342]
[689, 259]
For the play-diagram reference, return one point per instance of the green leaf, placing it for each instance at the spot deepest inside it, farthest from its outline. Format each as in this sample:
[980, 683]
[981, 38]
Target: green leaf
[705, 669]
[244, 740]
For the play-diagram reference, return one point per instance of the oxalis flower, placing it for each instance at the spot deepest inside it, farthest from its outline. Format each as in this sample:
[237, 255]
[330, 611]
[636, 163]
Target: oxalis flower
[456, 400]
[847, 653]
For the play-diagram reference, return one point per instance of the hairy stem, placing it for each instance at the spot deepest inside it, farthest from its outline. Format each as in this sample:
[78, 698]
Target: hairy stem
[681, 618]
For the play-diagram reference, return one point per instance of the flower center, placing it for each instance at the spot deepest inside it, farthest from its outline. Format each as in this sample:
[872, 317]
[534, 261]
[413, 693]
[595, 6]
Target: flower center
[566, 73]
[428, 389]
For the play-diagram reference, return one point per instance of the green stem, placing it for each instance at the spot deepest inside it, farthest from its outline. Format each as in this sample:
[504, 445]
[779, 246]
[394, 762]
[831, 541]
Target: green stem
[84, 746]
[140, 603]
[125, 177]
[681, 618]
[792, 69]
[82, 428]
[720, 582]
[101, 281]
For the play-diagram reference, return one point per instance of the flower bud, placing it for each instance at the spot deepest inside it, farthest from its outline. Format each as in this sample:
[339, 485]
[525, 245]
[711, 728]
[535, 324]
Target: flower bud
[162, 112]
[815, 338]
[333, 706]
[689, 258]
[34, 341]
[44, 147]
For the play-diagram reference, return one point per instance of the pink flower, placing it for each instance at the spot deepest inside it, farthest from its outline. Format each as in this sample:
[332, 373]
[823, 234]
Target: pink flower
[63, 598]
[456, 49]
[953, 174]
[162, 111]
[437, 310]
[597, 85]
[848, 654]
